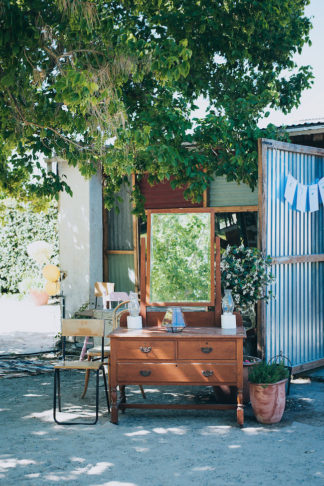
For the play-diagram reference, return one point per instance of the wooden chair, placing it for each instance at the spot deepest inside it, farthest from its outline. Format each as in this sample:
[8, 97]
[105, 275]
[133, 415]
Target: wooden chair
[94, 352]
[80, 327]
[118, 312]
[103, 290]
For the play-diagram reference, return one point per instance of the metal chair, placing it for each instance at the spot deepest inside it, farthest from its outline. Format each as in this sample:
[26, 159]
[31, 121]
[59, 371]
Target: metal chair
[80, 327]
[94, 352]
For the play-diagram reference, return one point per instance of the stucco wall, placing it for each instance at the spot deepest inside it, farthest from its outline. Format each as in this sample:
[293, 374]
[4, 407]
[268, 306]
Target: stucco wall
[80, 237]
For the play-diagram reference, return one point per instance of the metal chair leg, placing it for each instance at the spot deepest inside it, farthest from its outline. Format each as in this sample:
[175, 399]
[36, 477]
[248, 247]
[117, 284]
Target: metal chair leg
[97, 396]
[57, 388]
[54, 397]
[106, 390]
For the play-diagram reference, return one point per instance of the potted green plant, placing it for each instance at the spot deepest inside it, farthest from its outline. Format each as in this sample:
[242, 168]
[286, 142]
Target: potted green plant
[248, 363]
[267, 383]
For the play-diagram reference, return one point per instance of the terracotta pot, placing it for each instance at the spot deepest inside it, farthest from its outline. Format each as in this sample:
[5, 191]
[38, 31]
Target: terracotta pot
[40, 297]
[268, 401]
[248, 362]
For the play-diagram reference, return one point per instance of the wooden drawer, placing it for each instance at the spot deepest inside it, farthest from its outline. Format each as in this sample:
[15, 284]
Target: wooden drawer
[210, 350]
[139, 373]
[146, 349]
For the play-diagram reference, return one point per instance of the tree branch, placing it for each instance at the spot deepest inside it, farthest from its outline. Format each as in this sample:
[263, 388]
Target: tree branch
[42, 127]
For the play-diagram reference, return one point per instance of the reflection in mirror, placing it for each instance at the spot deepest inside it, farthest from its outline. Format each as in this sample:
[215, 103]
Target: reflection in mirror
[180, 257]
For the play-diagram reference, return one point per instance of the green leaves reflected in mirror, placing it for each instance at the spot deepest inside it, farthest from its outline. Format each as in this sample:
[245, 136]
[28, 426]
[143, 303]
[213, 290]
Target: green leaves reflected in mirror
[180, 269]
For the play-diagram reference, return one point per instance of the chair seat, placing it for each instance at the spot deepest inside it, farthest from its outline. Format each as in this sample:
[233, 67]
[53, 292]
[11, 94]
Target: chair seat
[96, 351]
[79, 365]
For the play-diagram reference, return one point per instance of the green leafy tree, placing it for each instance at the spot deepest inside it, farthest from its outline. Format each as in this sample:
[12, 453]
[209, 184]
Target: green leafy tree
[75, 75]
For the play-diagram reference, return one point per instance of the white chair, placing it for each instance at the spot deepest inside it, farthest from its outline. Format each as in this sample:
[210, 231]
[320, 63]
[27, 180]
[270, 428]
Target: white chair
[118, 297]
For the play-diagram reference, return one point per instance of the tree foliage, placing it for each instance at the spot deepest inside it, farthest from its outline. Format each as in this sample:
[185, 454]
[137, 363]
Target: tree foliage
[76, 74]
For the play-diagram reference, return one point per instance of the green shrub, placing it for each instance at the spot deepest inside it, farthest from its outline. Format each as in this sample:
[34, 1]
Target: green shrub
[19, 228]
[268, 373]
[247, 273]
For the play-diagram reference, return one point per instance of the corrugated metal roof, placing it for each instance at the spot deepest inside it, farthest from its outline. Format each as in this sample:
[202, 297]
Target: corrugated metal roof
[305, 128]
[305, 123]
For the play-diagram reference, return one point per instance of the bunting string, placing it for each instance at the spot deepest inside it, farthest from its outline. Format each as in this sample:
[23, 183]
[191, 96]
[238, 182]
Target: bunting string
[306, 197]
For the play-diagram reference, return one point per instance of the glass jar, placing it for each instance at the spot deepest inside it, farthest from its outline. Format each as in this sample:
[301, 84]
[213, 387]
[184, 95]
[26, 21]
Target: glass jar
[133, 305]
[227, 302]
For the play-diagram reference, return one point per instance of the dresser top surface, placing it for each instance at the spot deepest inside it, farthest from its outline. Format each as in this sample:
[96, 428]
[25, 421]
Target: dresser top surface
[188, 332]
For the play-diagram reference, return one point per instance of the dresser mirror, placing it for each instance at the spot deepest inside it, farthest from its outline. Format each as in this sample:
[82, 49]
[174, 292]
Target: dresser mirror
[180, 257]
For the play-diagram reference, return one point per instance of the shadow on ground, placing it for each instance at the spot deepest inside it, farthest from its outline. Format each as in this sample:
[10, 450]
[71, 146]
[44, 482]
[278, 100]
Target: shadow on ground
[155, 447]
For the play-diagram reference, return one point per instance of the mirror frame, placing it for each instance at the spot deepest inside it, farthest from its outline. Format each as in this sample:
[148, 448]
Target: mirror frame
[211, 302]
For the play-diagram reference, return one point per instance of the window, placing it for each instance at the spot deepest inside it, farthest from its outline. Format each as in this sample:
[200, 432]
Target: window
[237, 228]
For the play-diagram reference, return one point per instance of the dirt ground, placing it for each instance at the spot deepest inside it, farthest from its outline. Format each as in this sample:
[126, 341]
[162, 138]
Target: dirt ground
[156, 447]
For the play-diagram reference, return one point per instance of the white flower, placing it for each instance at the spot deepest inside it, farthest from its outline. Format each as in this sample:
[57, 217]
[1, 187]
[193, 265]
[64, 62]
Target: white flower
[40, 251]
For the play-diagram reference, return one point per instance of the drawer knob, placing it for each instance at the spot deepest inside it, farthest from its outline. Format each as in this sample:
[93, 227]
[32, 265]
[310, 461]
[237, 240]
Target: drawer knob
[206, 350]
[145, 349]
[145, 372]
[207, 373]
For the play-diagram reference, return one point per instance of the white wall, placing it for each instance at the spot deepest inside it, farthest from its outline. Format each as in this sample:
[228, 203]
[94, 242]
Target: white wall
[80, 237]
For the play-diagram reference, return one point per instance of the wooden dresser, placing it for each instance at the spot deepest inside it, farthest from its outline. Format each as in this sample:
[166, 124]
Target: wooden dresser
[197, 356]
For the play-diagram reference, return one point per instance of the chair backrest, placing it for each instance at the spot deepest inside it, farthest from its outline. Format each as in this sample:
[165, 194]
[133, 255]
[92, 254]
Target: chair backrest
[83, 327]
[117, 315]
[117, 297]
[103, 288]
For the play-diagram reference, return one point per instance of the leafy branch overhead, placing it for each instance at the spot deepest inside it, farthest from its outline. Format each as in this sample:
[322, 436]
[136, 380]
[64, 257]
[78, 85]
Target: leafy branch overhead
[113, 84]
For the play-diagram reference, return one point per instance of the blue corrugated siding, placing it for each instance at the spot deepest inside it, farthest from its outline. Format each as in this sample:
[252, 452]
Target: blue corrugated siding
[294, 320]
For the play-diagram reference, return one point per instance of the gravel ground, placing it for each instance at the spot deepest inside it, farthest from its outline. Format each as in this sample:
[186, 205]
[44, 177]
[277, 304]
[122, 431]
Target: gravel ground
[156, 447]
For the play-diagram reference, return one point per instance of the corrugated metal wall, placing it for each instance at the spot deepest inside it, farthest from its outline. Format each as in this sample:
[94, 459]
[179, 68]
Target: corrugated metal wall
[294, 320]
[120, 223]
[121, 271]
[120, 238]
[222, 193]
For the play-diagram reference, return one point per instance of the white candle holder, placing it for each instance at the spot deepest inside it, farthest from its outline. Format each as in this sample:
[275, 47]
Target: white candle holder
[134, 322]
[228, 321]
